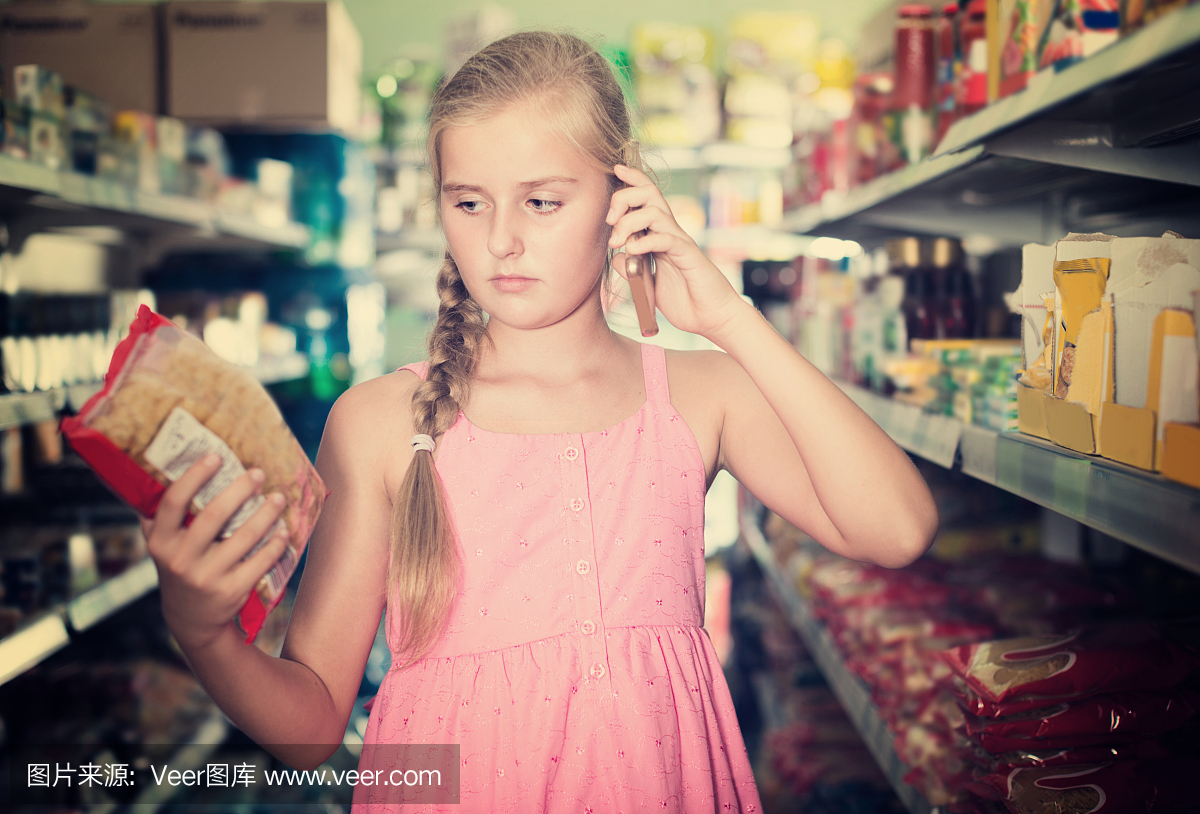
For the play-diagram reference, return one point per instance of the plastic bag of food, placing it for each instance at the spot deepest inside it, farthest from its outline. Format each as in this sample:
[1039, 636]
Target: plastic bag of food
[1098, 719]
[1121, 787]
[167, 402]
[1109, 658]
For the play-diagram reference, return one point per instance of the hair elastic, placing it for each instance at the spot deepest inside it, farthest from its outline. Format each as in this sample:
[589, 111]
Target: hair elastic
[420, 441]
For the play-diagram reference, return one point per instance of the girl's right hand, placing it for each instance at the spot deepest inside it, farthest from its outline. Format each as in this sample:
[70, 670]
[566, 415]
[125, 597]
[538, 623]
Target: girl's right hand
[203, 579]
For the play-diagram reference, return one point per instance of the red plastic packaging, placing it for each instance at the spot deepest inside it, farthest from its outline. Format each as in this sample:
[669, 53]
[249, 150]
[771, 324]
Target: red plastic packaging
[1110, 658]
[1123, 787]
[1101, 718]
[168, 401]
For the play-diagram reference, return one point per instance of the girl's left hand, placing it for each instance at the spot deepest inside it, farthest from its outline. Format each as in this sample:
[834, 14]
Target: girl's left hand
[691, 292]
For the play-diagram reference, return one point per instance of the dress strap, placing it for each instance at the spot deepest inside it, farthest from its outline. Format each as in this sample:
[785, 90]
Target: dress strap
[654, 369]
[420, 368]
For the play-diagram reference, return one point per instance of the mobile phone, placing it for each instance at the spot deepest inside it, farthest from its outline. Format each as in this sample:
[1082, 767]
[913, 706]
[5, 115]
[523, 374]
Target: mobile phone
[640, 270]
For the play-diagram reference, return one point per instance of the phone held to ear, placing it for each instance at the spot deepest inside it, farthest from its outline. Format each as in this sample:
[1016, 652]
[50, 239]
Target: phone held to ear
[640, 270]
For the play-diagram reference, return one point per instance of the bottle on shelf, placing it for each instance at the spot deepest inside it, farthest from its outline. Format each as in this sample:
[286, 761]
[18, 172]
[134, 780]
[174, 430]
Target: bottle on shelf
[919, 305]
[973, 45]
[912, 96]
[955, 301]
[948, 68]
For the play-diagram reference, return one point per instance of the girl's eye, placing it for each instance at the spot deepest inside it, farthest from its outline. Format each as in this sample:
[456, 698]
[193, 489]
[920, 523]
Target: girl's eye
[470, 207]
[542, 205]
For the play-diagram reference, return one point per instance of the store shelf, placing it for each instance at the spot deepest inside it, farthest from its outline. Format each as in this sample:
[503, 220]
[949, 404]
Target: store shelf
[834, 208]
[35, 198]
[17, 409]
[271, 370]
[32, 643]
[718, 155]
[1144, 510]
[1160, 40]
[849, 689]
[190, 757]
[929, 436]
[1108, 144]
[48, 633]
[92, 607]
[28, 408]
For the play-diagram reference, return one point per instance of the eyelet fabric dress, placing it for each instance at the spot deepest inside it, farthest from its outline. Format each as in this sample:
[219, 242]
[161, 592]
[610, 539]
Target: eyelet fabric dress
[574, 672]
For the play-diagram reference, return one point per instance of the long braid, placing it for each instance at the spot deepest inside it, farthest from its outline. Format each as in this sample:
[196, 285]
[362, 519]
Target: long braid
[575, 93]
[424, 572]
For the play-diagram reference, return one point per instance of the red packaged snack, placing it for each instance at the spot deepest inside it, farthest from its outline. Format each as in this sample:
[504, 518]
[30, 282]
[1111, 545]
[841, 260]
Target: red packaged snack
[1123, 787]
[1098, 719]
[167, 402]
[1102, 659]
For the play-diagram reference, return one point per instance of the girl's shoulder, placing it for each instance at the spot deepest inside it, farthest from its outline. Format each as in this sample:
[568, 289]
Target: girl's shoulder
[369, 427]
[699, 370]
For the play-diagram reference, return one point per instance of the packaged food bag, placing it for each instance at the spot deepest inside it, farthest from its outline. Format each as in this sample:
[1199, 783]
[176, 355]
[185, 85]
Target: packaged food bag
[1102, 659]
[167, 402]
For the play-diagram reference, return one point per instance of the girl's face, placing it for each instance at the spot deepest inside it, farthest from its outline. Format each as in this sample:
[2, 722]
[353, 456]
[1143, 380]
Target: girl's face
[524, 217]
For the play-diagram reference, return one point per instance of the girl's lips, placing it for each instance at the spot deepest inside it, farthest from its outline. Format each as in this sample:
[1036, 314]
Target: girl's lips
[512, 285]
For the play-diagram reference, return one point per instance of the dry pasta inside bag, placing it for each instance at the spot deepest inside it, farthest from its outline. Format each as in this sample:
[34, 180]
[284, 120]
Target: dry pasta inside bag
[167, 402]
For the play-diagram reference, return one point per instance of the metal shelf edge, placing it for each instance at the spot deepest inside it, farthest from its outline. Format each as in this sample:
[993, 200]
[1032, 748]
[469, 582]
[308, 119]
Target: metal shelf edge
[97, 604]
[1143, 509]
[104, 194]
[1161, 38]
[850, 691]
[833, 208]
[32, 644]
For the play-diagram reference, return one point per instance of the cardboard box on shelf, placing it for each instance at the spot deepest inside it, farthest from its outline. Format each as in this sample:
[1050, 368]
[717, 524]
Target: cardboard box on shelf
[1181, 453]
[1172, 389]
[281, 64]
[108, 49]
[1147, 276]
[1080, 365]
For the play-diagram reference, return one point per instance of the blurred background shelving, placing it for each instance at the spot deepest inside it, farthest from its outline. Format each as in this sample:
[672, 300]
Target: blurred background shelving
[303, 244]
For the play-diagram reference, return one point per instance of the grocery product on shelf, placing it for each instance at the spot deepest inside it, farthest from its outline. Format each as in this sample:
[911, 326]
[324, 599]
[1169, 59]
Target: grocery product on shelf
[675, 84]
[43, 566]
[911, 105]
[1016, 27]
[1110, 328]
[1086, 680]
[974, 44]
[50, 341]
[948, 69]
[167, 402]
[806, 754]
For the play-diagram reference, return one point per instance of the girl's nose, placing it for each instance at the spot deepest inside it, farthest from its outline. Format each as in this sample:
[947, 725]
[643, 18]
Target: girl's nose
[504, 238]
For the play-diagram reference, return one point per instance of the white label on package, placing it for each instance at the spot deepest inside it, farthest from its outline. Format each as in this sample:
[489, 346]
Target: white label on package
[180, 443]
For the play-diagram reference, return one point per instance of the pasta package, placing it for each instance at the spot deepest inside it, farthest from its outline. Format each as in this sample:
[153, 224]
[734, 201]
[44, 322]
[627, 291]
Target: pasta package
[1107, 658]
[1100, 719]
[169, 401]
[1120, 787]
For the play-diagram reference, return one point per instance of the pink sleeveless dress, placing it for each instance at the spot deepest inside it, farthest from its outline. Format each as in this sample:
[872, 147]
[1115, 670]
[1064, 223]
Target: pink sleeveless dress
[574, 673]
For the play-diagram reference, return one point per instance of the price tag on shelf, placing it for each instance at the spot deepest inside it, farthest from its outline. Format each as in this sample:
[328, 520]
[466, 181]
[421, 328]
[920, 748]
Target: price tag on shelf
[979, 453]
[903, 425]
[1009, 469]
[941, 439]
[1071, 485]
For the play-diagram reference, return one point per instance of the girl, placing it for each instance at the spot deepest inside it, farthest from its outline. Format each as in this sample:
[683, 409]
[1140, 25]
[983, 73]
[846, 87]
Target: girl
[541, 480]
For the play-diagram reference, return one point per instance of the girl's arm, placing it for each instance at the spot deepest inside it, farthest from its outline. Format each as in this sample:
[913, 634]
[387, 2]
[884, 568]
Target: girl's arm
[296, 705]
[788, 434]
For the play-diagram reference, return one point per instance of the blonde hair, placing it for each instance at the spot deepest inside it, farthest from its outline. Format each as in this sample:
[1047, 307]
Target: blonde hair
[572, 89]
